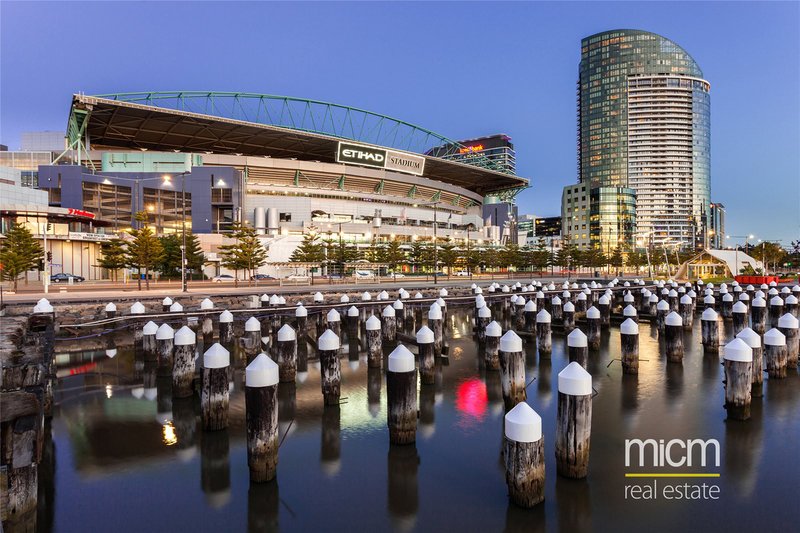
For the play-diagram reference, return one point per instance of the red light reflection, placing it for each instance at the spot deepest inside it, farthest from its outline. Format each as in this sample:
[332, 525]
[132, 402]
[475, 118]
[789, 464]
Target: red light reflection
[471, 398]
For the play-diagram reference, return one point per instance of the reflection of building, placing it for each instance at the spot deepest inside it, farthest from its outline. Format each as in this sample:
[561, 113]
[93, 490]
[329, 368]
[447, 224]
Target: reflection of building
[717, 230]
[643, 123]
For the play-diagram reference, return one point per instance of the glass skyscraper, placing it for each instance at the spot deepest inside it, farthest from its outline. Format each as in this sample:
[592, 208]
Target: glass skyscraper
[644, 125]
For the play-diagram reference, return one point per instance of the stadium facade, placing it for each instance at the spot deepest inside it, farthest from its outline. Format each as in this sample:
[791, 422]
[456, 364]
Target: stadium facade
[286, 166]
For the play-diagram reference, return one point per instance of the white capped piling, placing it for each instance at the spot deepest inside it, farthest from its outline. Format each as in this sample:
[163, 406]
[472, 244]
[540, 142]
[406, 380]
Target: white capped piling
[318, 297]
[540, 300]
[214, 391]
[374, 342]
[573, 421]
[568, 316]
[334, 324]
[593, 327]
[604, 306]
[389, 324]
[264, 300]
[427, 359]
[556, 311]
[176, 308]
[149, 341]
[739, 316]
[252, 338]
[791, 305]
[530, 316]
[686, 307]
[165, 344]
[709, 330]
[523, 451]
[673, 337]
[435, 324]
[644, 301]
[383, 295]
[673, 299]
[788, 325]
[330, 367]
[399, 313]
[512, 368]
[137, 308]
[519, 312]
[745, 299]
[344, 299]
[652, 305]
[753, 340]
[758, 315]
[738, 362]
[775, 310]
[629, 346]
[366, 296]
[578, 347]
[630, 312]
[183, 362]
[726, 308]
[709, 301]
[628, 299]
[353, 315]
[483, 319]
[261, 406]
[775, 354]
[165, 304]
[580, 303]
[226, 328]
[566, 296]
[287, 353]
[662, 310]
[111, 310]
[401, 396]
[491, 350]
[544, 338]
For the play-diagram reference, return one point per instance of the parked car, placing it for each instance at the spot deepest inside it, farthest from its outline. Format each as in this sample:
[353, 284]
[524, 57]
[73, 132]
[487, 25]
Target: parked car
[297, 277]
[397, 275]
[261, 277]
[63, 277]
[462, 273]
[223, 277]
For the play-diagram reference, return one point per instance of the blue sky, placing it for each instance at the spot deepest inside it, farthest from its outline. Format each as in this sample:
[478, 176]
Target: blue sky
[461, 69]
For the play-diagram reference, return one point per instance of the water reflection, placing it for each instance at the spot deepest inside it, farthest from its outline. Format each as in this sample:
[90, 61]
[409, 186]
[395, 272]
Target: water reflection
[574, 505]
[263, 504]
[519, 520]
[215, 467]
[330, 454]
[401, 485]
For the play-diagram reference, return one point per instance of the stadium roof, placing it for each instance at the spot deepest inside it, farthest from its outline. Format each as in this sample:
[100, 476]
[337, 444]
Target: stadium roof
[296, 129]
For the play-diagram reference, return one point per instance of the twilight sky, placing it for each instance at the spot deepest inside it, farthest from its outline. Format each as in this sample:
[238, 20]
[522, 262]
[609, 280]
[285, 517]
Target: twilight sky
[461, 69]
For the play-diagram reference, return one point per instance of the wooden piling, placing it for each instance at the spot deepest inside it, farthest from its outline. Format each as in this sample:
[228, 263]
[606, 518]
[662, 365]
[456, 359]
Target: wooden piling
[775, 354]
[753, 340]
[389, 324]
[593, 327]
[630, 312]
[523, 451]
[149, 341]
[573, 421]
[662, 310]
[166, 303]
[427, 360]
[183, 363]
[226, 328]
[544, 339]
[482, 320]
[491, 350]
[512, 368]
[301, 317]
[530, 316]
[374, 342]
[435, 324]
[334, 323]
[568, 316]
[214, 392]
[331, 373]
[165, 344]
[261, 405]
[629, 346]
[686, 308]
[401, 396]
[673, 337]
[788, 325]
[709, 329]
[739, 317]
[738, 362]
[556, 310]
[726, 308]
[286, 351]
[252, 338]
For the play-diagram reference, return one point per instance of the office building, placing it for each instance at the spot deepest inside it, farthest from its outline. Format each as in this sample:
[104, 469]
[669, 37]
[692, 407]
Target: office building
[716, 234]
[43, 141]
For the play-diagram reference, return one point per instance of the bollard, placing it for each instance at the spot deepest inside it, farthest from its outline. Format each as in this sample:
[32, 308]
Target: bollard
[573, 421]
[111, 310]
[301, 316]
[540, 300]
[673, 299]
[568, 313]
[652, 305]
[523, 450]
[673, 337]
[530, 316]
[775, 311]
[662, 310]
[149, 341]
[738, 362]
[544, 333]
[427, 368]
[287, 354]
[745, 299]
[183, 362]
[352, 318]
[791, 305]
[491, 355]
[374, 342]
[709, 329]
[330, 367]
[226, 328]
[775, 354]
[512, 369]
[401, 396]
[708, 302]
[399, 314]
[165, 304]
[252, 338]
[555, 308]
[334, 323]
[580, 303]
[604, 306]
[788, 325]
[389, 324]
[165, 344]
[593, 327]
[578, 347]
[435, 324]
[261, 406]
[264, 300]
[753, 340]
[519, 312]
[484, 317]
[214, 391]
[629, 346]
[758, 315]
[686, 307]
[727, 306]
[630, 312]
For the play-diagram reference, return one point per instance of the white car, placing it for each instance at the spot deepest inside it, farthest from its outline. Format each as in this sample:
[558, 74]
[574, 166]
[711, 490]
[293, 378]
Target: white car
[397, 275]
[462, 273]
[296, 277]
[223, 277]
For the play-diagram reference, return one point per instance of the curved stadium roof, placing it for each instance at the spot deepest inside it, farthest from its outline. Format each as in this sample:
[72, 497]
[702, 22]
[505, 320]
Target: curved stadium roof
[265, 125]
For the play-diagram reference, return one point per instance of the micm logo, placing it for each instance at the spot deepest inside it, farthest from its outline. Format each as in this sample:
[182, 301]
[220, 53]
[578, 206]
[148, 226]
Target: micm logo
[674, 453]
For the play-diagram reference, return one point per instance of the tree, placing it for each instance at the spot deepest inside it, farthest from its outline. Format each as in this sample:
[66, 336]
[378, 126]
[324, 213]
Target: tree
[416, 255]
[195, 258]
[448, 255]
[247, 253]
[310, 250]
[615, 259]
[539, 256]
[171, 257]
[565, 255]
[19, 252]
[114, 257]
[394, 255]
[472, 258]
[490, 258]
[594, 258]
[636, 259]
[144, 251]
[509, 255]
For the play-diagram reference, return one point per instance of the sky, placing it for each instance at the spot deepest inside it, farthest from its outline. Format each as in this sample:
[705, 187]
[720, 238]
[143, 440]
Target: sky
[461, 69]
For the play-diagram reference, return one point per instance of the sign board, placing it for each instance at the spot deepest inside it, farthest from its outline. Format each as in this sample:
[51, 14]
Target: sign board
[80, 213]
[82, 236]
[369, 156]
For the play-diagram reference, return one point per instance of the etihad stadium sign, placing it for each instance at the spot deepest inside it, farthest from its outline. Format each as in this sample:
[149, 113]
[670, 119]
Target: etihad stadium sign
[369, 156]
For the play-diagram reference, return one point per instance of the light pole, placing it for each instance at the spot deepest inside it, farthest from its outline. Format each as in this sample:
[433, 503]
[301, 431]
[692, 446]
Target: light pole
[167, 179]
[736, 260]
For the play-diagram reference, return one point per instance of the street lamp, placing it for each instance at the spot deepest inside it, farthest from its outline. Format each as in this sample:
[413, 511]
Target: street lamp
[736, 260]
[167, 179]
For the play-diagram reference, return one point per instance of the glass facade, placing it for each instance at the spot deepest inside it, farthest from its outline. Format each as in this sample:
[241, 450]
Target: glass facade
[112, 203]
[644, 123]
[166, 209]
[28, 163]
[612, 217]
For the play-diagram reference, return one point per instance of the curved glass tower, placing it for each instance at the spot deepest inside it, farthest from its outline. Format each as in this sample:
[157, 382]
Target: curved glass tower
[644, 124]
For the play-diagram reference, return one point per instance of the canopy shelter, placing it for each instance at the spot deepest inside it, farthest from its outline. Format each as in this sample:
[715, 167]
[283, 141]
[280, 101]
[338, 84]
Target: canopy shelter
[716, 263]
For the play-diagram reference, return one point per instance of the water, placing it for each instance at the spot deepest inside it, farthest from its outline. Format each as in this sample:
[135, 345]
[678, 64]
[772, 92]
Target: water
[126, 457]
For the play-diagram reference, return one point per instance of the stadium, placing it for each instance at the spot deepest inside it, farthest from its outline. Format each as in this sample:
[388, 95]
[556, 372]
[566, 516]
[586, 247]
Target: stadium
[287, 166]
